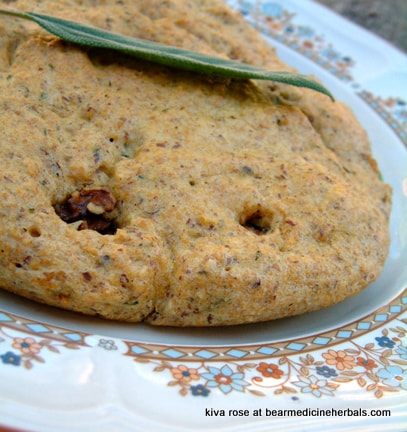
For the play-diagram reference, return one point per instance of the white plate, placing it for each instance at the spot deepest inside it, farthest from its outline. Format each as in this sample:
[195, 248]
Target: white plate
[342, 368]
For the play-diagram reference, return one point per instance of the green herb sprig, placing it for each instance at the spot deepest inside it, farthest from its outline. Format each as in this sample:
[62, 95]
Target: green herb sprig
[81, 34]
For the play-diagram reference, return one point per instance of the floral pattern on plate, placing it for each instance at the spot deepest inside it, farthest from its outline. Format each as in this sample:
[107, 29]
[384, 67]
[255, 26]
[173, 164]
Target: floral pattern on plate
[375, 361]
[273, 20]
[377, 364]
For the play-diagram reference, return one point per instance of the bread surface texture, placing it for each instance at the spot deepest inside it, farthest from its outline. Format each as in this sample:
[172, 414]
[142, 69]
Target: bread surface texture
[136, 192]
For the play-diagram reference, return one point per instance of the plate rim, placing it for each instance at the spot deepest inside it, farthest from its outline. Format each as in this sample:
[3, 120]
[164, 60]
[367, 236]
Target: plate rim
[164, 356]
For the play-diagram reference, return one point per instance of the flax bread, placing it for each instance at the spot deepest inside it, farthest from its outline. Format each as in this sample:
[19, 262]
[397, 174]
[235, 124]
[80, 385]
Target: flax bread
[135, 192]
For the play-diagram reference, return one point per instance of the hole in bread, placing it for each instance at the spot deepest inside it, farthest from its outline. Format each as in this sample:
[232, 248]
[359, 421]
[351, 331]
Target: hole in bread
[259, 221]
[34, 231]
[94, 209]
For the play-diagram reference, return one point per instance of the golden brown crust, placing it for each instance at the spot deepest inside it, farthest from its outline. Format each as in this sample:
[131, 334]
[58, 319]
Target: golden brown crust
[233, 202]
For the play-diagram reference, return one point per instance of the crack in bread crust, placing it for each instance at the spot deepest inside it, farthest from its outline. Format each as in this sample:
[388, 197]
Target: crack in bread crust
[234, 202]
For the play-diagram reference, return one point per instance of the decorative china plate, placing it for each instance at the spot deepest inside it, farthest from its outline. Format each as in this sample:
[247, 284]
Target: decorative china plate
[344, 367]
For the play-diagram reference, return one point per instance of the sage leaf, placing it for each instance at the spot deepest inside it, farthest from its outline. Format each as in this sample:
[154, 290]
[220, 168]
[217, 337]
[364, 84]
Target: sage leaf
[82, 34]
